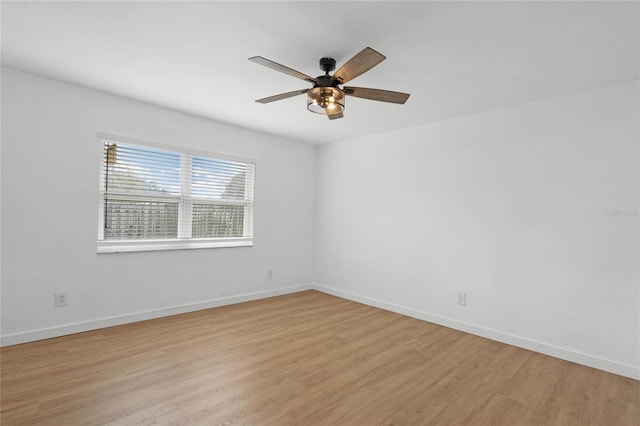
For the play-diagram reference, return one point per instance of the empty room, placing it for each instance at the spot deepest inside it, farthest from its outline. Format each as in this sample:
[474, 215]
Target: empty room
[320, 213]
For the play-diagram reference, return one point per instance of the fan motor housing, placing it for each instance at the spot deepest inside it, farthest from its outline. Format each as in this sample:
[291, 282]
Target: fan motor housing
[325, 81]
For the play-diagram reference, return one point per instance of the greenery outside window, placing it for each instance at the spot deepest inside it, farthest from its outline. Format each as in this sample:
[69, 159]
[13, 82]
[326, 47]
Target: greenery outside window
[159, 199]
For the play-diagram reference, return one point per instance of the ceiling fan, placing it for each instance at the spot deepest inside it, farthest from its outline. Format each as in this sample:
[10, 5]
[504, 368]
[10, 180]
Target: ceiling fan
[327, 96]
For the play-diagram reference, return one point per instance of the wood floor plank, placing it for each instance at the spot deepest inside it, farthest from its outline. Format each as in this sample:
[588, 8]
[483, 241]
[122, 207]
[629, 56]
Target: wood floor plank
[302, 359]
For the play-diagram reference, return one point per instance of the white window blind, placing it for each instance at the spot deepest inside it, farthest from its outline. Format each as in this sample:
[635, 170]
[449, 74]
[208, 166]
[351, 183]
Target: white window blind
[220, 191]
[155, 199]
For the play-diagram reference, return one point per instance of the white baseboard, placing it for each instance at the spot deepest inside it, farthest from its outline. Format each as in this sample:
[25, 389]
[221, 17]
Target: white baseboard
[615, 367]
[610, 366]
[63, 330]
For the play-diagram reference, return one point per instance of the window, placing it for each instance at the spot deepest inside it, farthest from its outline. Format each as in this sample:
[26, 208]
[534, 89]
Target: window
[157, 199]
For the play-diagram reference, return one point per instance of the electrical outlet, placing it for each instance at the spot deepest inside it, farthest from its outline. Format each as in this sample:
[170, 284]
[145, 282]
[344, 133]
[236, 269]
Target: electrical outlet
[270, 274]
[61, 299]
[462, 298]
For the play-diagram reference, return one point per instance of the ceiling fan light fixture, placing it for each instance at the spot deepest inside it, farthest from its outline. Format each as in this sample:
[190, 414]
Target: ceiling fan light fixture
[325, 100]
[328, 93]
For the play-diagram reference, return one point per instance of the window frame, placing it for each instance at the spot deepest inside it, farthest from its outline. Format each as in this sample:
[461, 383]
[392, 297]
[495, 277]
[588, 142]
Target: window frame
[184, 199]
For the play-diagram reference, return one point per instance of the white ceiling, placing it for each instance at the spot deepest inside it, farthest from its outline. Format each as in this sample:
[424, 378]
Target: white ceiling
[455, 58]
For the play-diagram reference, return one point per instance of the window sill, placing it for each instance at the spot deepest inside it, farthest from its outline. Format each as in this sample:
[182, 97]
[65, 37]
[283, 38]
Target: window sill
[159, 245]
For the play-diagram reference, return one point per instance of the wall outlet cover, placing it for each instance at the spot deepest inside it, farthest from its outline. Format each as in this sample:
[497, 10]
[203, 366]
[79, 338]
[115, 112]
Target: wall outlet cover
[61, 299]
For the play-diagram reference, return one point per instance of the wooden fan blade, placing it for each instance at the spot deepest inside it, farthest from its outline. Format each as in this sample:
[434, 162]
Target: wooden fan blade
[282, 96]
[335, 116]
[377, 94]
[279, 67]
[359, 64]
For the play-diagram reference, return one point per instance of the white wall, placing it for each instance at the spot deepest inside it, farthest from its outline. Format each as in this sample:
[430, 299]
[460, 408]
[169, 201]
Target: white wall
[50, 177]
[507, 206]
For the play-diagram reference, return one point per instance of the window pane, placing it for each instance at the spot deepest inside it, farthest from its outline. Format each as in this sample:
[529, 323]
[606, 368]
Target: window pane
[214, 221]
[138, 220]
[159, 194]
[218, 179]
[137, 170]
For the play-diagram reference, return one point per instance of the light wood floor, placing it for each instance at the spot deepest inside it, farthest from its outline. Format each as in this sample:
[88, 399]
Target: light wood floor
[302, 359]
